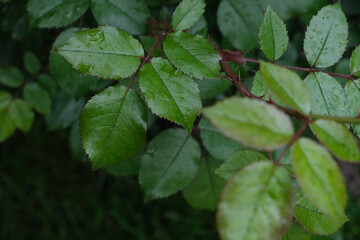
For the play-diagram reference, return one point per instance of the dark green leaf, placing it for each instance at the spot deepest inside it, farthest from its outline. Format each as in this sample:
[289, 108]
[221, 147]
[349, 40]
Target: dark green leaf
[326, 37]
[287, 86]
[7, 126]
[288, 8]
[31, 63]
[169, 93]
[169, 164]
[46, 82]
[11, 77]
[204, 191]
[273, 35]
[210, 88]
[296, 232]
[37, 98]
[113, 125]
[106, 52]
[192, 55]
[200, 27]
[128, 15]
[187, 13]
[5, 100]
[257, 203]
[21, 115]
[75, 142]
[238, 161]
[319, 177]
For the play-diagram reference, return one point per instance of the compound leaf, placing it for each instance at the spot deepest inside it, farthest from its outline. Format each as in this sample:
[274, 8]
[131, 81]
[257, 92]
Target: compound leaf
[21, 115]
[105, 52]
[252, 122]
[257, 203]
[187, 13]
[169, 93]
[37, 98]
[113, 126]
[170, 162]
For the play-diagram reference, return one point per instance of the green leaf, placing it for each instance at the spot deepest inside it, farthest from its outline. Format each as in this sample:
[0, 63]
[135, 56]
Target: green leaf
[76, 147]
[355, 62]
[326, 37]
[11, 77]
[128, 15]
[192, 55]
[187, 13]
[71, 81]
[319, 177]
[55, 13]
[218, 145]
[212, 87]
[113, 126]
[37, 98]
[46, 82]
[5, 100]
[256, 204]
[338, 139]
[105, 51]
[288, 8]
[169, 164]
[169, 93]
[238, 161]
[328, 97]
[21, 115]
[287, 86]
[32, 63]
[7, 127]
[296, 232]
[312, 219]
[200, 27]
[273, 35]
[252, 122]
[352, 90]
[204, 191]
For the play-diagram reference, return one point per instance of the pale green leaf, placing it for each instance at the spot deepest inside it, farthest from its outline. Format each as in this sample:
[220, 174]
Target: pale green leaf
[21, 115]
[296, 232]
[113, 126]
[210, 88]
[352, 90]
[312, 219]
[287, 86]
[192, 55]
[328, 97]
[338, 139]
[55, 13]
[169, 93]
[70, 80]
[326, 37]
[31, 63]
[319, 177]
[37, 98]
[105, 51]
[5, 100]
[7, 127]
[273, 35]
[128, 15]
[169, 163]
[204, 191]
[256, 204]
[218, 145]
[252, 122]
[238, 161]
[187, 13]
[11, 77]
[355, 62]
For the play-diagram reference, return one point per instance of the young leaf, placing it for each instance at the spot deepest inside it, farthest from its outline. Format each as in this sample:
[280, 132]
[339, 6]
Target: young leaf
[169, 93]
[287, 86]
[252, 122]
[326, 37]
[328, 97]
[355, 62]
[338, 139]
[218, 145]
[273, 35]
[70, 80]
[297, 232]
[105, 52]
[319, 177]
[169, 164]
[128, 15]
[352, 90]
[187, 13]
[11, 77]
[312, 219]
[204, 191]
[257, 203]
[5, 100]
[7, 126]
[21, 114]
[192, 55]
[55, 13]
[238, 161]
[113, 126]
[37, 98]
[31, 63]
